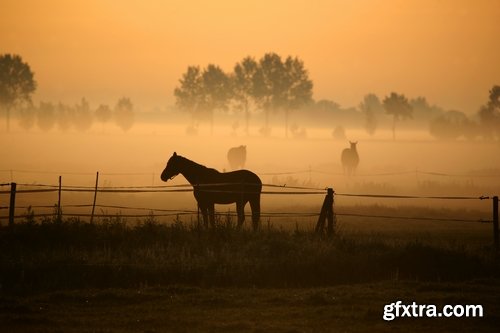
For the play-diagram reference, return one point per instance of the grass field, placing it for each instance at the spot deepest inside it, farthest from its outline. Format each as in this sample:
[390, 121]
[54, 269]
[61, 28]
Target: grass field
[113, 276]
[340, 308]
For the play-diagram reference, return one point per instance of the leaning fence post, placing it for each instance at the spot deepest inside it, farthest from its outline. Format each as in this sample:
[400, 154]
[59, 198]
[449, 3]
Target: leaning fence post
[330, 215]
[95, 197]
[495, 223]
[326, 213]
[12, 206]
[59, 210]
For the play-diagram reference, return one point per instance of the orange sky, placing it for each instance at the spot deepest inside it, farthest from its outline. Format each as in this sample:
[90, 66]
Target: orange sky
[446, 50]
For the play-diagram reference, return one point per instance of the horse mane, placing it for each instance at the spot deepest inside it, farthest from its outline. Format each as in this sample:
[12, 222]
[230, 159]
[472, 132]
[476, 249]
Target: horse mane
[196, 165]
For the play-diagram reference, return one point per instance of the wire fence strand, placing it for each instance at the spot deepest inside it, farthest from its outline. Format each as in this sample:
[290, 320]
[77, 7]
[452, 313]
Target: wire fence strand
[159, 212]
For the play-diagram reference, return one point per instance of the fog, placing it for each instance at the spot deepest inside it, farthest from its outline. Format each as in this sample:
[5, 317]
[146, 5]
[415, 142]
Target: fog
[414, 164]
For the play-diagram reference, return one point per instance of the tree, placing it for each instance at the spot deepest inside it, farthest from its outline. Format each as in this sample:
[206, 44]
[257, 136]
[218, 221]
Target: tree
[124, 114]
[270, 86]
[65, 116]
[83, 116]
[216, 91]
[397, 106]
[16, 83]
[243, 86]
[188, 95]
[103, 114]
[449, 126]
[281, 85]
[371, 108]
[299, 87]
[46, 117]
[27, 117]
[489, 114]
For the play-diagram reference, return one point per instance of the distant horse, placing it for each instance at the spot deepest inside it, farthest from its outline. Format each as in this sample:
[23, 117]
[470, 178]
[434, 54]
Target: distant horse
[237, 157]
[213, 187]
[350, 159]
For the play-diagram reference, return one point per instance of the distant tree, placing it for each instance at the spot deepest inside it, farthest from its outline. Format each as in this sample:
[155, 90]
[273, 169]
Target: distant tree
[339, 133]
[188, 96]
[82, 116]
[103, 114]
[243, 87]
[449, 126]
[270, 86]
[281, 85]
[16, 84]
[46, 116]
[371, 108]
[27, 117]
[65, 116]
[216, 91]
[398, 107]
[423, 111]
[124, 114]
[299, 87]
[489, 114]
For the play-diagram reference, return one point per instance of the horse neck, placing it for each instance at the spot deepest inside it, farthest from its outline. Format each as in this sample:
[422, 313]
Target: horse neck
[192, 171]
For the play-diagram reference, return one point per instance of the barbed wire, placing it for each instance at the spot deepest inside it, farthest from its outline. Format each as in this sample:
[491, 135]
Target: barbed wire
[286, 190]
[284, 173]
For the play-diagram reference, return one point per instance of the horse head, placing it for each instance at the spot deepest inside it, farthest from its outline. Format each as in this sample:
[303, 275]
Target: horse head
[172, 168]
[353, 145]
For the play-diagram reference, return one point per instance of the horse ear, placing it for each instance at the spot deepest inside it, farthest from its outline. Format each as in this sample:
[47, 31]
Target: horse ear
[175, 154]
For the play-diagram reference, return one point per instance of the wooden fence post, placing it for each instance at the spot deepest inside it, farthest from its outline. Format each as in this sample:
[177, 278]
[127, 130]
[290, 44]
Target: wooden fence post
[326, 213]
[95, 197]
[12, 206]
[330, 214]
[59, 210]
[495, 223]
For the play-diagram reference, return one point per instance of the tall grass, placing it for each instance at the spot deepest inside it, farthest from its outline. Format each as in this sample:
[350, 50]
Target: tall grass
[49, 255]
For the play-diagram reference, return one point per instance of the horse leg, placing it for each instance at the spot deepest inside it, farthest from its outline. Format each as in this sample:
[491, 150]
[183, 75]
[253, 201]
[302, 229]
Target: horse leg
[204, 213]
[211, 214]
[240, 210]
[255, 206]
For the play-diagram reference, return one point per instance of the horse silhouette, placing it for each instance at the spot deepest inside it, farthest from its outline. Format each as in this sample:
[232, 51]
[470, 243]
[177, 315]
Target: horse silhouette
[212, 187]
[237, 157]
[350, 159]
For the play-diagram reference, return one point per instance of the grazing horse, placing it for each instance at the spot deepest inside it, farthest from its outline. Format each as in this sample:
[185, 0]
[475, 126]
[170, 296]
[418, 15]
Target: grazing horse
[212, 187]
[237, 157]
[350, 159]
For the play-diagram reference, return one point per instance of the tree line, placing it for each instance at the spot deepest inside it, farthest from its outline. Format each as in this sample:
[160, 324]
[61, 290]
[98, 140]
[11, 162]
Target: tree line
[17, 84]
[269, 85]
[80, 116]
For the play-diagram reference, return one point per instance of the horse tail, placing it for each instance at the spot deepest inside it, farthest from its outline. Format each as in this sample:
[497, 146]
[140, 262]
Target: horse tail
[255, 206]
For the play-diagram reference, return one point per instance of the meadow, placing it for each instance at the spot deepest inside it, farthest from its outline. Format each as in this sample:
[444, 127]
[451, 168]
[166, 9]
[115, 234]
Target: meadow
[157, 273]
[114, 276]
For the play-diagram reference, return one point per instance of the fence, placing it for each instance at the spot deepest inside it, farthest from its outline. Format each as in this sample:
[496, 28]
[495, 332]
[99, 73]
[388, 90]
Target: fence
[326, 214]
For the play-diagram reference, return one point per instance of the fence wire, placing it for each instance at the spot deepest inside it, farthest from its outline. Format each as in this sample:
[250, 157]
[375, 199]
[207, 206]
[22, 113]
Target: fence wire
[158, 212]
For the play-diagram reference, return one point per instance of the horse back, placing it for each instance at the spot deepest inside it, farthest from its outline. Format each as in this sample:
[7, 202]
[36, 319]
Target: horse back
[241, 177]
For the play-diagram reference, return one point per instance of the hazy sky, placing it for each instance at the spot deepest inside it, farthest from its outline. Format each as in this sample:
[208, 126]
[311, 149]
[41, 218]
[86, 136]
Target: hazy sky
[447, 51]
